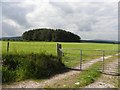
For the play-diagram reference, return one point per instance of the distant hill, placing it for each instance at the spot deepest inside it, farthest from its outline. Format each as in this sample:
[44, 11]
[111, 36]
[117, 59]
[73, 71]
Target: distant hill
[101, 41]
[17, 38]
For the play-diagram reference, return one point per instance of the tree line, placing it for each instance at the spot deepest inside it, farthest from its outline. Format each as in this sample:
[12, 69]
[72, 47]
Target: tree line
[44, 34]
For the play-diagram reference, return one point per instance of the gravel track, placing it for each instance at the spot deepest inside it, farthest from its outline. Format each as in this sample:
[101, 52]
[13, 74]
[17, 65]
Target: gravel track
[109, 79]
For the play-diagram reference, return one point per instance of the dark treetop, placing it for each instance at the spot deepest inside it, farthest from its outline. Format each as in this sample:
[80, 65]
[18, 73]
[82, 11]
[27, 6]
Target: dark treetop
[57, 35]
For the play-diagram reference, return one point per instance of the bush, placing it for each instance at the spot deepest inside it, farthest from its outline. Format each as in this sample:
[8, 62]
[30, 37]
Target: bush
[21, 67]
[8, 75]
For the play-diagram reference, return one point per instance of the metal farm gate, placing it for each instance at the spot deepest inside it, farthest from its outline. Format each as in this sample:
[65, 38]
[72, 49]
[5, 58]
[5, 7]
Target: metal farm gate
[78, 57]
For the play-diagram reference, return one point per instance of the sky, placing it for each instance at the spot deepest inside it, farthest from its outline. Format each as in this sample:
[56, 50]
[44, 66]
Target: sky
[90, 19]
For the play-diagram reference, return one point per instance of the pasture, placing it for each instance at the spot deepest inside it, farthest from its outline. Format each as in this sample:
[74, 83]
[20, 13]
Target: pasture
[26, 60]
[70, 58]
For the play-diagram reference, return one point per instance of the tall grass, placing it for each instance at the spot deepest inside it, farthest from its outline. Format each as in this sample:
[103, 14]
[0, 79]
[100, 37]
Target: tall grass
[21, 67]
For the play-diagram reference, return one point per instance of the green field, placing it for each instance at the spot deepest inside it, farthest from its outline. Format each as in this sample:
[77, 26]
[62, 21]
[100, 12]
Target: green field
[70, 58]
[50, 47]
[28, 60]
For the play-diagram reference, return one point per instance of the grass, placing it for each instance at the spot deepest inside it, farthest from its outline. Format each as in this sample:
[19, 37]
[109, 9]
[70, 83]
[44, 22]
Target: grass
[29, 47]
[50, 47]
[90, 75]
[93, 73]
[33, 66]
[71, 57]
[22, 53]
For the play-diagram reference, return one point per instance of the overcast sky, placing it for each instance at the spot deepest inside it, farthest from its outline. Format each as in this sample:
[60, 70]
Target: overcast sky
[90, 19]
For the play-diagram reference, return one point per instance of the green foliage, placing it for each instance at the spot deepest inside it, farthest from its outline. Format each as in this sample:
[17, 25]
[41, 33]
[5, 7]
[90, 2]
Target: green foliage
[8, 75]
[90, 75]
[44, 34]
[21, 67]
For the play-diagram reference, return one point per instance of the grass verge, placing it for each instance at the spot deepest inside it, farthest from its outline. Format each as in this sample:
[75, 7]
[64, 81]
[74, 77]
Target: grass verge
[93, 73]
[32, 66]
[89, 76]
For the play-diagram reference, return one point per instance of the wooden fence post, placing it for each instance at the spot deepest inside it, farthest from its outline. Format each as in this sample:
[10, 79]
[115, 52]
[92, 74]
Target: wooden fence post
[103, 60]
[8, 46]
[81, 59]
[59, 52]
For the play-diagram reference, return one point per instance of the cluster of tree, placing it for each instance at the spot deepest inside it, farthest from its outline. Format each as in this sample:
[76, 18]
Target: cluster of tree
[17, 38]
[44, 34]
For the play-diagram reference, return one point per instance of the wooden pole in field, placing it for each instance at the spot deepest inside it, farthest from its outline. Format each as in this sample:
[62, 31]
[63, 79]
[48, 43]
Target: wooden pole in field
[8, 46]
[81, 59]
[59, 52]
[103, 60]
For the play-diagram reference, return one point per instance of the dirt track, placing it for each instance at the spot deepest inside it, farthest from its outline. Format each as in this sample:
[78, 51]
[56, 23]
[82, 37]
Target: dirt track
[109, 79]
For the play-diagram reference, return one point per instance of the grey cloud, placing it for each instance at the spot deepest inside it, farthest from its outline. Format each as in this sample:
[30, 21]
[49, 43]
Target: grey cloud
[82, 14]
[63, 7]
[13, 11]
[10, 0]
[84, 19]
[8, 30]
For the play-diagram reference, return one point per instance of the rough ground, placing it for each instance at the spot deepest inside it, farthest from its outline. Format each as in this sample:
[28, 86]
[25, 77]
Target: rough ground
[109, 79]
[54, 79]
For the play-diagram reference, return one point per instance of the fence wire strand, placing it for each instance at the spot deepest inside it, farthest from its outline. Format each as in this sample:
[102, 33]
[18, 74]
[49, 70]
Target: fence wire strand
[88, 54]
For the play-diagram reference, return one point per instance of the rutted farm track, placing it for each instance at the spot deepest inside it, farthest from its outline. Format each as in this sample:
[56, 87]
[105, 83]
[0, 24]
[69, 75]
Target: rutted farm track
[54, 80]
[109, 79]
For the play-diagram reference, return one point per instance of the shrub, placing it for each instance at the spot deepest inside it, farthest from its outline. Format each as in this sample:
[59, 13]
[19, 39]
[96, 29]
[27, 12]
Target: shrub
[8, 75]
[21, 67]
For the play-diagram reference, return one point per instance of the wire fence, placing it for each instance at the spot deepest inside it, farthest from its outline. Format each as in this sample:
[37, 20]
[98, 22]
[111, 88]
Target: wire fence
[76, 56]
[73, 56]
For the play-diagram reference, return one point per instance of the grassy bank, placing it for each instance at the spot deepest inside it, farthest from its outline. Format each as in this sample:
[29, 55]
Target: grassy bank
[31, 66]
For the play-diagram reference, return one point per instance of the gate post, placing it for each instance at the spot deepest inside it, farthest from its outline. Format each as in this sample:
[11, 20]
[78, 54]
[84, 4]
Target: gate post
[8, 46]
[59, 52]
[103, 60]
[81, 59]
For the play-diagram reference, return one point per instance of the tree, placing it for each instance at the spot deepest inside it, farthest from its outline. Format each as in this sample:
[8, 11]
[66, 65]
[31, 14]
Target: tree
[44, 34]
